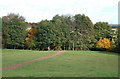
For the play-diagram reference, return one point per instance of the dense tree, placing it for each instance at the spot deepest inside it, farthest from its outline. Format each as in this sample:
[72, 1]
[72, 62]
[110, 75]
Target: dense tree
[0, 32]
[84, 32]
[103, 30]
[31, 39]
[13, 31]
[114, 35]
[118, 41]
[65, 32]
[61, 33]
[45, 35]
[104, 44]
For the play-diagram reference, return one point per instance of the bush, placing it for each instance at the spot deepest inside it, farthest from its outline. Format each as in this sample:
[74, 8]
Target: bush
[58, 48]
[104, 44]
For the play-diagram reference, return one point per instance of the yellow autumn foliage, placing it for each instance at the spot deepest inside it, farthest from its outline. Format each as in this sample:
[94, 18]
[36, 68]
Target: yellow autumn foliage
[104, 43]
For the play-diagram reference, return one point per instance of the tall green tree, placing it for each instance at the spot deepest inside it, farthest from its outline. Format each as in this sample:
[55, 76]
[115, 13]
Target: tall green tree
[62, 30]
[103, 30]
[84, 32]
[14, 30]
[118, 41]
[45, 35]
[0, 32]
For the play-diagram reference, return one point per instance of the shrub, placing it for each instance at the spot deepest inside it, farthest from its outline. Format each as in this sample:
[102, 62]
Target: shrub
[104, 44]
[58, 48]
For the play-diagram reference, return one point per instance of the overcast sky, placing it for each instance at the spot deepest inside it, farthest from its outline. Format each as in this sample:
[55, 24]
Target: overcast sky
[37, 10]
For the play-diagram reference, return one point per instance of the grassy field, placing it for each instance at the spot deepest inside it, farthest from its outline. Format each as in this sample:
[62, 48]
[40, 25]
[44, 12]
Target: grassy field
[10, 57]
[67, 64]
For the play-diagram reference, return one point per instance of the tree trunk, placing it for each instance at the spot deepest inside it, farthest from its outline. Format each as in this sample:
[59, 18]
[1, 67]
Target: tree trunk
[48, 48]
[14, 46]
[69, 46]
[73, 46]
[64, 47]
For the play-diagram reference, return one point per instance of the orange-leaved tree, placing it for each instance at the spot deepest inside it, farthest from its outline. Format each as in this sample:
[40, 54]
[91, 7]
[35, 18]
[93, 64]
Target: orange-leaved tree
[104, 44]
[28, 38]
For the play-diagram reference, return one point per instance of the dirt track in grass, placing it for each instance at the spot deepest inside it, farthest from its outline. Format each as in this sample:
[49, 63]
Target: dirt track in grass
[14, 66]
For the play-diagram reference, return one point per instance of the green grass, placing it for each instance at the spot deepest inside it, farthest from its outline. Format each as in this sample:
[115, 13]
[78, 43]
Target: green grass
[11, 56]
[68, 64]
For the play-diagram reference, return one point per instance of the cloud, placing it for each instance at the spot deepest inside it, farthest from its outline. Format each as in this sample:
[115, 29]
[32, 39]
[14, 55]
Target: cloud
[37, 10]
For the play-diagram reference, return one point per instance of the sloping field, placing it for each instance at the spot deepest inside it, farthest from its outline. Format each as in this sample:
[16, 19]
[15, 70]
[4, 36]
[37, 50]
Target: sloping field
[67, 64]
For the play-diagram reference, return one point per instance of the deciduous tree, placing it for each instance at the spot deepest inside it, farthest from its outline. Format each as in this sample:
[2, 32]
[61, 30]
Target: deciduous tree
[104, 44]
[13, 28]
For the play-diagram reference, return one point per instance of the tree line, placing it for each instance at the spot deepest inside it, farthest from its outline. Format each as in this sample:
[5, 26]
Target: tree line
[61, 33]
